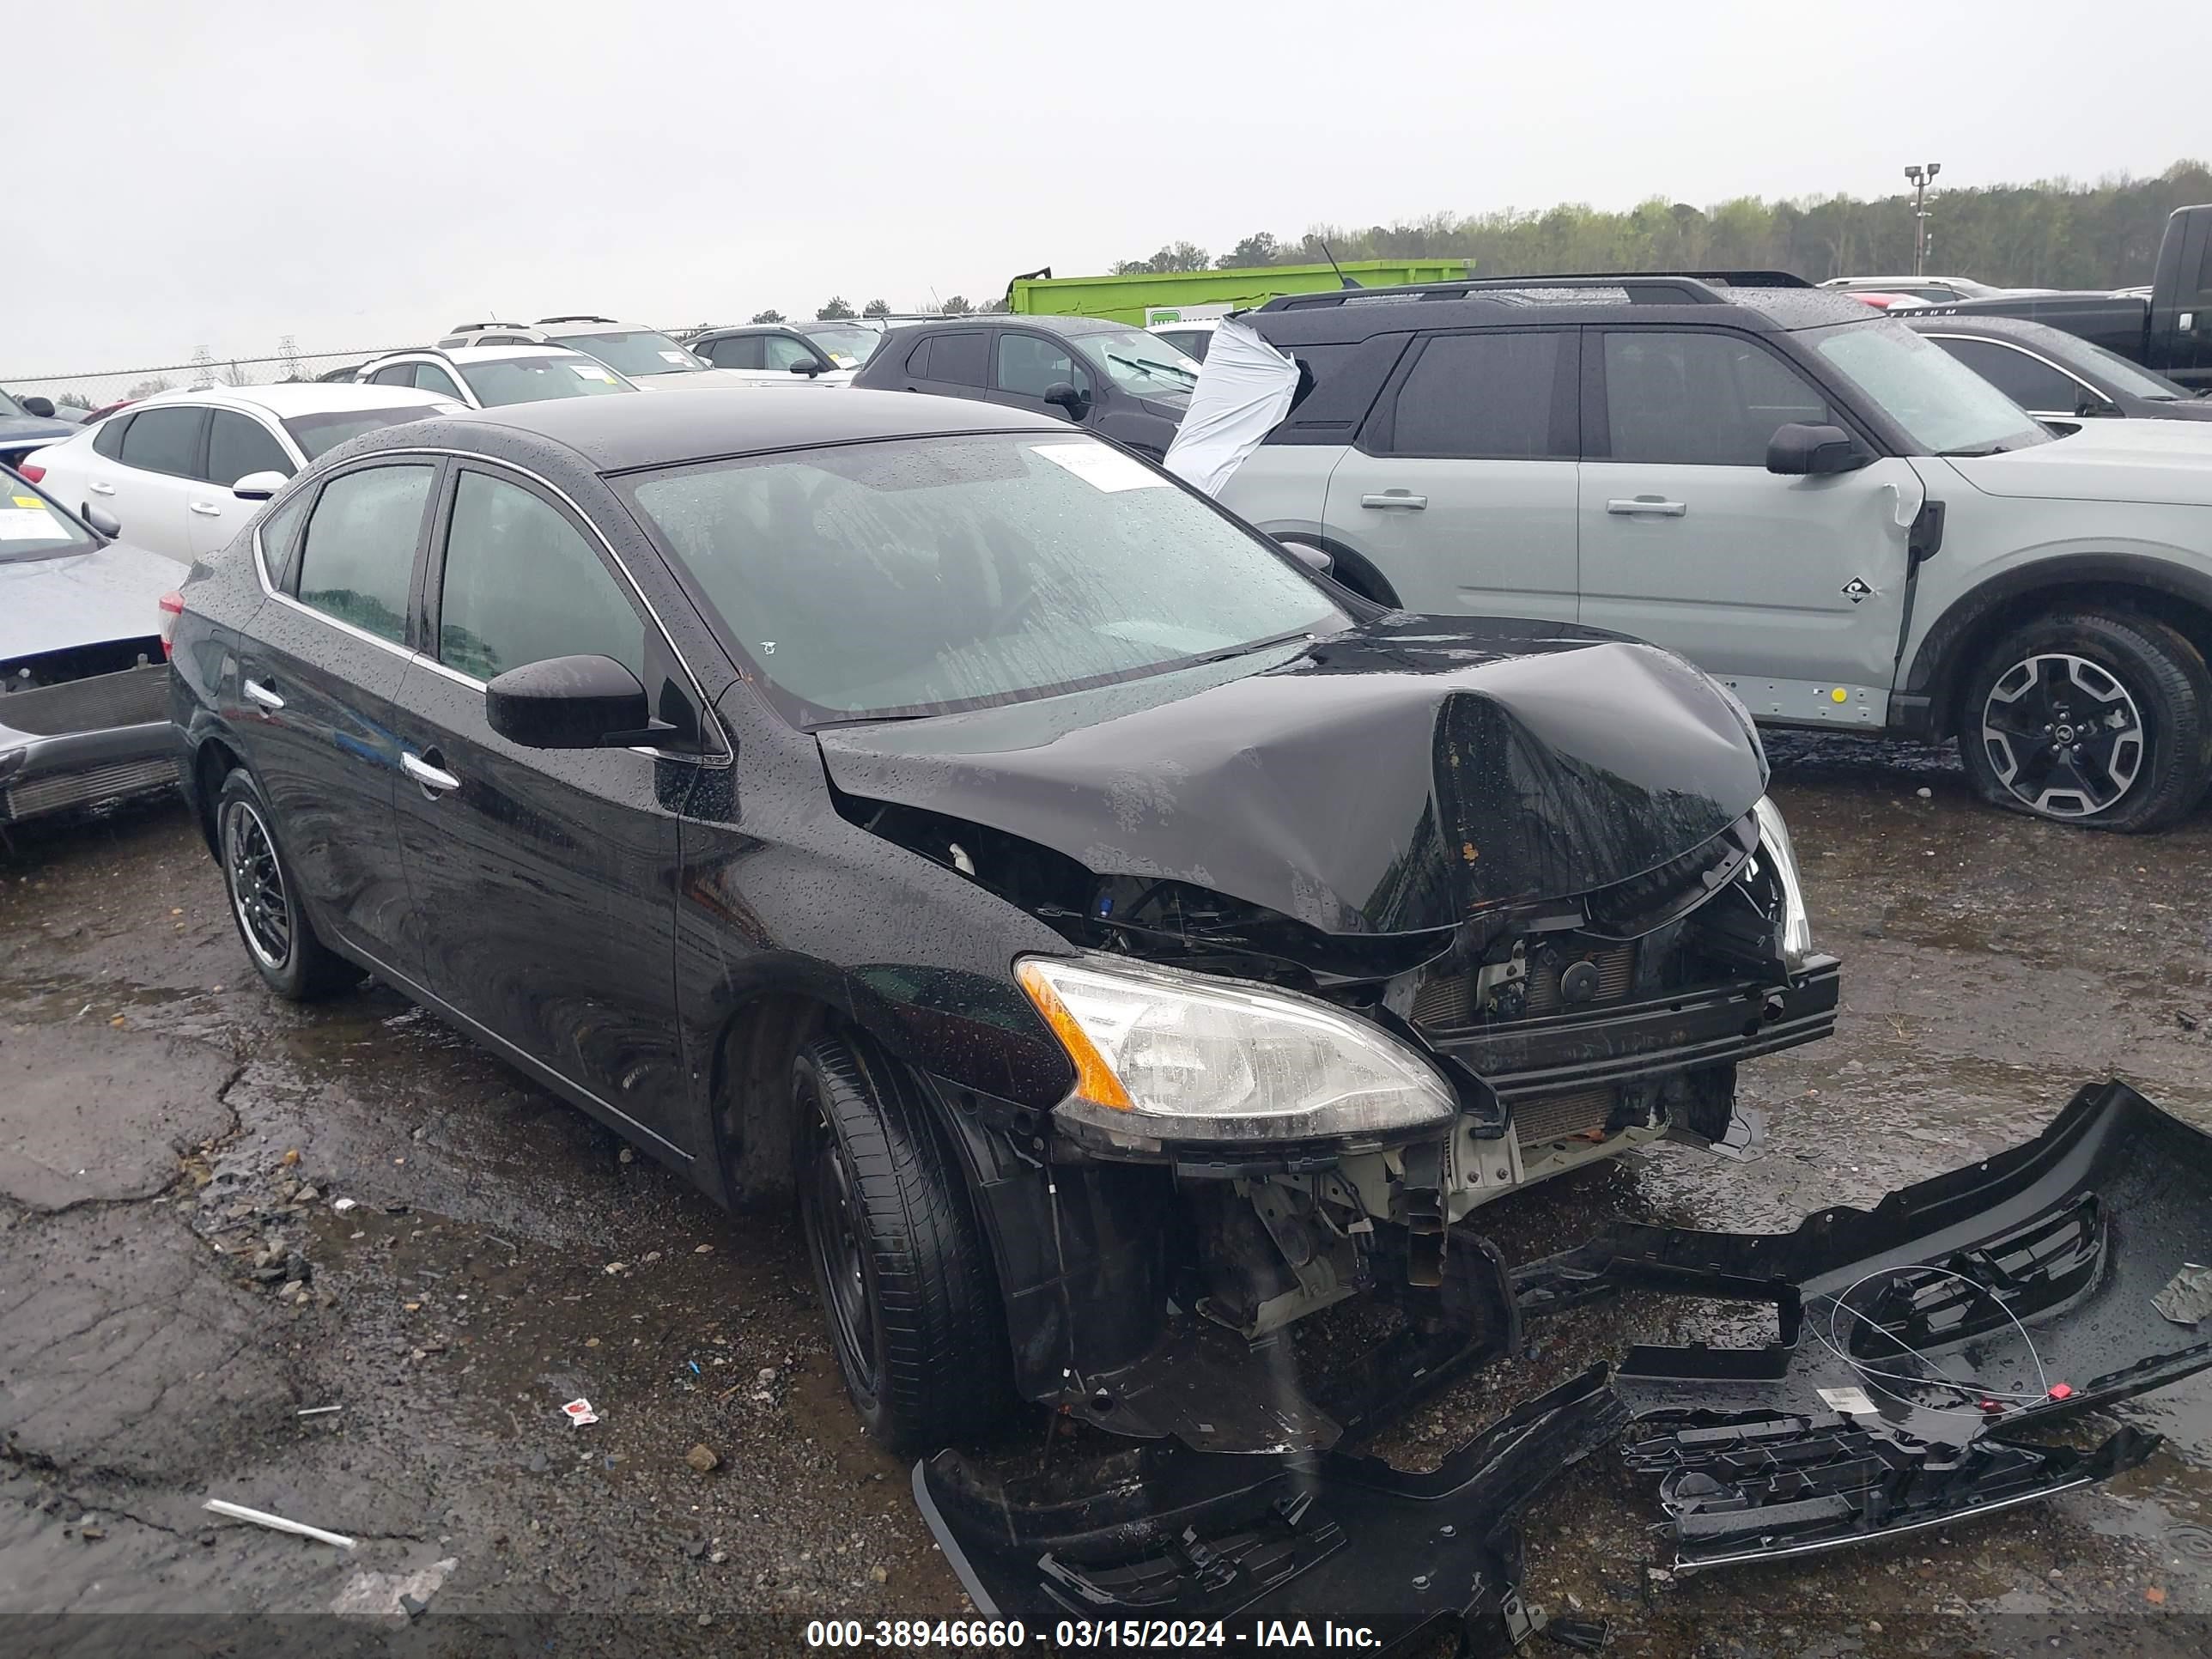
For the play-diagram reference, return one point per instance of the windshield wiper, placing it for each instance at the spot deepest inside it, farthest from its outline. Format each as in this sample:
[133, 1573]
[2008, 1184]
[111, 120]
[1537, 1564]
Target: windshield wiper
[1151, 369]
[1971, 454]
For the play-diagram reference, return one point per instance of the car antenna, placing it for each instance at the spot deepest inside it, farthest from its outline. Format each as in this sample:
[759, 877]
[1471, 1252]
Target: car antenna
[1343, 279]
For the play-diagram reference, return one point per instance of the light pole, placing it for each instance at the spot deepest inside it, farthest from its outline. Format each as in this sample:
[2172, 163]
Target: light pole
[1920, 177]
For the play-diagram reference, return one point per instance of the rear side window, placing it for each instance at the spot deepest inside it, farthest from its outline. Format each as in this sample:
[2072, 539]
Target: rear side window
[1481, 396]
[958, 357]
[108, 440]
[279, 537]
[917, 362]
[1700, 399]
[238, 444]
[165, 441]
[2028, 381]
[521, 585]
[739, 351]
[357, 559]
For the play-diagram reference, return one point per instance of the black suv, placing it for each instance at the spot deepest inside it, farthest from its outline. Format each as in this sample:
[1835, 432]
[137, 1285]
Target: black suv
[1119, 381]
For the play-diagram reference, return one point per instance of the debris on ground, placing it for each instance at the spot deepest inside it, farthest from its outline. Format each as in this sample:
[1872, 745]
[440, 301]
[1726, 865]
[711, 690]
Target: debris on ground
[276, 1523]
[704, 1459]
[389, 1594]
[579, 1413]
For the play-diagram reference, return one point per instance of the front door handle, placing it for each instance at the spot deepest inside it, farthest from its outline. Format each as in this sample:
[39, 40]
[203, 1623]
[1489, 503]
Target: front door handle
[257, 692]
[434, 779]
[99, 489]
[1650, 505]
[1398, 498]
[207, 509]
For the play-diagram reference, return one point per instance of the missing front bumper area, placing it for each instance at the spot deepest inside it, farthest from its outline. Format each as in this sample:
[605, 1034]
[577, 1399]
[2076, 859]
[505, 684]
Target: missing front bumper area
[1923, 1344]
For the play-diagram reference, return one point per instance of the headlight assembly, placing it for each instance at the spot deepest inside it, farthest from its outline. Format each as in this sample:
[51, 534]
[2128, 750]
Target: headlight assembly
[1162, 1056]
[1774, 847]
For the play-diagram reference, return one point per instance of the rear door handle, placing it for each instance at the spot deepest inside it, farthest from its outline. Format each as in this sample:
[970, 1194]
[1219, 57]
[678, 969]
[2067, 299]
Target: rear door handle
[1650, 505]
[99, 489]
[207, 509]
[257, 692]
[434, 780]
[1398, 498]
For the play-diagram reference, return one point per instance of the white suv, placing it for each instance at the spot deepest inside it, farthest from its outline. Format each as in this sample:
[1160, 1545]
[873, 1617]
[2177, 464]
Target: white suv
[487, 376]
[1806, 499]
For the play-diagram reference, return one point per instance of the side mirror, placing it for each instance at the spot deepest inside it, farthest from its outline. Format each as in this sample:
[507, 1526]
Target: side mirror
[1314, 558]
[807, 367]
[568, 702]
[42, 407]
[258, 486]
[1803, 450]
[1066, 396]
[2094, 406]
[103, 522]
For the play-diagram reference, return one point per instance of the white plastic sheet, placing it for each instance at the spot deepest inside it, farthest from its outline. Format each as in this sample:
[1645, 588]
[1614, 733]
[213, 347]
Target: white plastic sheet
[1242, 393]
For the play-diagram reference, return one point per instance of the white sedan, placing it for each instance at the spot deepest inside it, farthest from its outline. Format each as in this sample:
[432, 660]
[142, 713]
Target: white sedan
[164, 468]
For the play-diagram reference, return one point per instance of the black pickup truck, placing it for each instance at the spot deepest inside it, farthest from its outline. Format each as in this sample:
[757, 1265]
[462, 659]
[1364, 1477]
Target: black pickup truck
[2167, 327]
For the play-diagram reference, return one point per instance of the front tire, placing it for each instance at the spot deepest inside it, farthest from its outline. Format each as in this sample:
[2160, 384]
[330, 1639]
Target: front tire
[904, 1276]
[264, 899]
[2094, 718]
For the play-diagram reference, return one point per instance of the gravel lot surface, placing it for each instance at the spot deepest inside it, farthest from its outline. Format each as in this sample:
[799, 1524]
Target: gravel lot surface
[180, 1283]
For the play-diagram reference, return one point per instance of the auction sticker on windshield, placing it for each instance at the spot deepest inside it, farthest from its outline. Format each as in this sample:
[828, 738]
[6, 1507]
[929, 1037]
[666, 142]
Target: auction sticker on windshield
[29, 524]
[1100, 467]
[677, 357]
[590, 372]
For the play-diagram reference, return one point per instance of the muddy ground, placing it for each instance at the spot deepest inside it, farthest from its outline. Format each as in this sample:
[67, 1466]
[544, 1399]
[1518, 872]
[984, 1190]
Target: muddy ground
[178, 1284]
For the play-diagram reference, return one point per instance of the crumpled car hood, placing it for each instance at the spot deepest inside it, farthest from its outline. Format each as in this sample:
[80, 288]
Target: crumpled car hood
[1399, 777]
[82, 599]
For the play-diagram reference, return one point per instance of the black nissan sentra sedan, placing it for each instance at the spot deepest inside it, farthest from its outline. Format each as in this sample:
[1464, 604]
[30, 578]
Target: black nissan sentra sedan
[1123, 942]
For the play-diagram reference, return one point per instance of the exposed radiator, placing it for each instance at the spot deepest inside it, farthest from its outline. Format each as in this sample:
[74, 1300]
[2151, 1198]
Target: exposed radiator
[1541, 1123]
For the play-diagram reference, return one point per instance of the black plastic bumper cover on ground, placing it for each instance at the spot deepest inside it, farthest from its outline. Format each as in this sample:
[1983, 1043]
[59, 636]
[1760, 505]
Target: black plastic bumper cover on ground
[1922, 1342]
[1166, 1532]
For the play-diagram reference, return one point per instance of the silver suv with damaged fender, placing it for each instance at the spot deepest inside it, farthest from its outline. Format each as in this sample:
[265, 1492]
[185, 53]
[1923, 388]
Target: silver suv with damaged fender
[1808, 501]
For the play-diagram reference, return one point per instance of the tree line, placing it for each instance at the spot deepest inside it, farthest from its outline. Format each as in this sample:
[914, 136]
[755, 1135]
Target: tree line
[2052, 234]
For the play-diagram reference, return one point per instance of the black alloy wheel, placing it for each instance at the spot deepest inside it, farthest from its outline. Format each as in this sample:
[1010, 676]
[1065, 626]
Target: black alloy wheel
[905, 1277]
[265, 900]
[2091, 718]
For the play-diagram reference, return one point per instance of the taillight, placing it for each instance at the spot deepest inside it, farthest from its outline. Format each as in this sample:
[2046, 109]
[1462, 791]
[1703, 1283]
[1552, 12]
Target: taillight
[172, 606]
[35, 474]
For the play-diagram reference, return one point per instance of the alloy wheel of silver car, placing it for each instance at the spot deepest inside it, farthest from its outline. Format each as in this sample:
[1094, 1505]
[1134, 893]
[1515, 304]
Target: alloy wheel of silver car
[256, 885]
[2064, 735]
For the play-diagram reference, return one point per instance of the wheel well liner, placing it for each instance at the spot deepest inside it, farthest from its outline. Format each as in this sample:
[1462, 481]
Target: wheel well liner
[2166, 592]
[212, 762]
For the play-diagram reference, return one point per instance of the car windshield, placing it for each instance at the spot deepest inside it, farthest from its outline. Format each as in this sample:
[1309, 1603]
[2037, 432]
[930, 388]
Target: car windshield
[1943, 405]
[930, 574]
[531, 380]
[33, 527]
[1145, 364]
[9, 406]
[2123, 376]
[850, 347]
[636, 351]
[316, 432]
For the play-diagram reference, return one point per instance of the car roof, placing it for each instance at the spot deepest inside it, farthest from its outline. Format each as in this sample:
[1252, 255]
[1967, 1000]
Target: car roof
[670, 427]
[1049, 324]
[751, 328]
[2040, 335]
[288, 399]
[1357, 314]
[491, 354]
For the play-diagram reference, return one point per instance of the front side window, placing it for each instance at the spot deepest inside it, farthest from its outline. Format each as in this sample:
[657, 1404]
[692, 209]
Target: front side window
[431, 378]
[238, 444]
[929, 574]
[1700, 399]
[533, 379]
[737, 351]
[782, 351]
[394, 374]
[1031, 365]
[1144, 363]
[165, 441]
[521, 585]
[1480, 396]
[358, 556]
[635, 351]
[1943, 406]
[2028, 381]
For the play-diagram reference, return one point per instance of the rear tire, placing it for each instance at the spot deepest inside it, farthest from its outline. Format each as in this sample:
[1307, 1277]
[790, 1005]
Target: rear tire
[265, 902]
[905, 1278]
[2094, 718]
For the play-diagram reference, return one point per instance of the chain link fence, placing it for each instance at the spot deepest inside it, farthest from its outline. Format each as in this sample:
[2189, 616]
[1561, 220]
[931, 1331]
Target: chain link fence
[97, 388]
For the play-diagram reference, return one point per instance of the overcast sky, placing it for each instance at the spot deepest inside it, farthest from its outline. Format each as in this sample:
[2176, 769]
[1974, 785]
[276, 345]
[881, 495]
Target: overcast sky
[226, 172]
